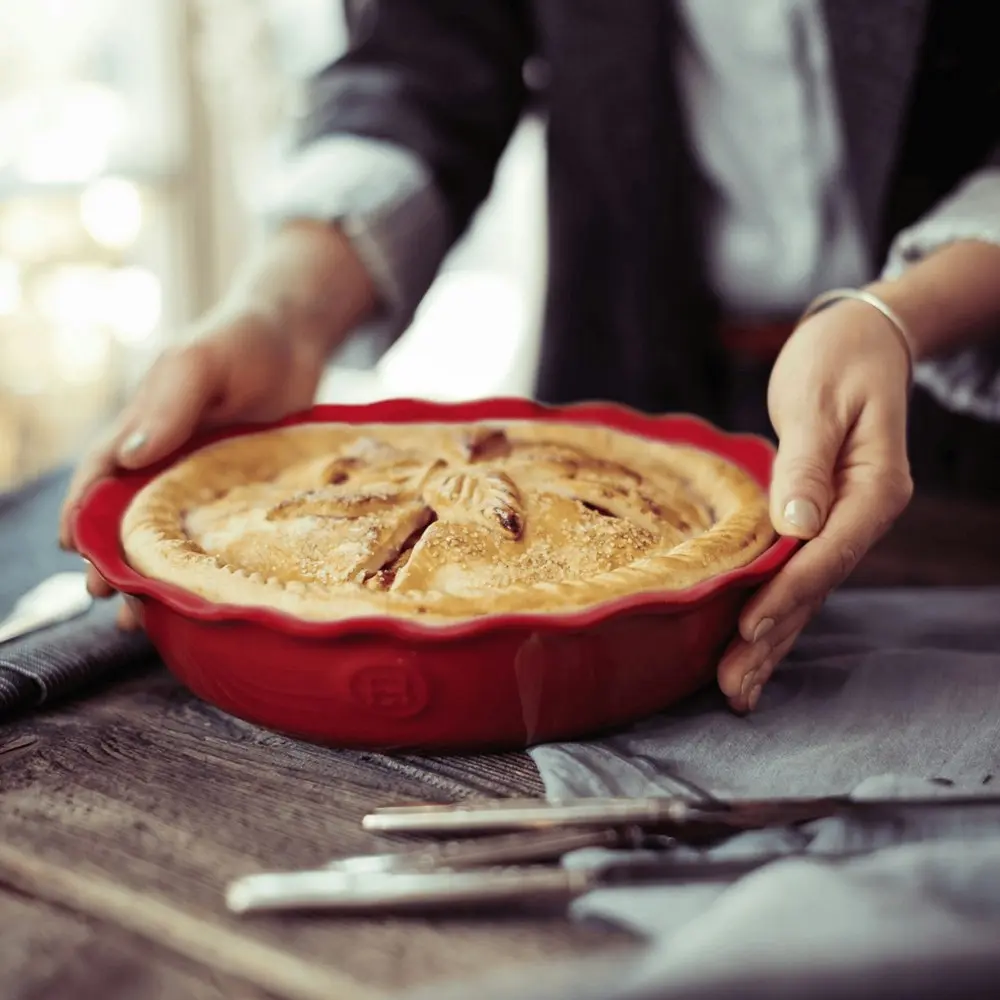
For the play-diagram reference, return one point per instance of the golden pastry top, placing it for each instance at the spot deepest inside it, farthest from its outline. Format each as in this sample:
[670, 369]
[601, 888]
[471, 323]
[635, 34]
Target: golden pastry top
[442, 521]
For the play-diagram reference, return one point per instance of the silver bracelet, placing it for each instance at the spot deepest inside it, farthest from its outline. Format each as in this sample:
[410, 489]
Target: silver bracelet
[900, 328]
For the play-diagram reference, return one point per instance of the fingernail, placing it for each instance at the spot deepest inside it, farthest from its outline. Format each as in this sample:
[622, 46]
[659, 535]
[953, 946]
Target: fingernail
[132, 443]
[748, 683]
[804, 515]
[763, 627]
[754, 697]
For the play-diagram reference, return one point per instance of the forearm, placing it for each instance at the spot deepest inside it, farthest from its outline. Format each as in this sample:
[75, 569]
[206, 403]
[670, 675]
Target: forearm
[383, 200]
[948, 300]
[393, 152]
[307, 278]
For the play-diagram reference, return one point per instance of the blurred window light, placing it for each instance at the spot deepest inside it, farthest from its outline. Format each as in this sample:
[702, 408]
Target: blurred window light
[94, 129]
[10, 287]
[81, 353]
[464, 340]
[71, 295]
[53, 33]
[127, 300]
[24, 369]
[133, 304]
[73, 130]
[16, 121]
[34, 232]
[111, 212]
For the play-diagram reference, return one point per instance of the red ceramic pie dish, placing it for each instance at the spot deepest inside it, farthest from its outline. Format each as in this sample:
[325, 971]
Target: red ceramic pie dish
[494, 682]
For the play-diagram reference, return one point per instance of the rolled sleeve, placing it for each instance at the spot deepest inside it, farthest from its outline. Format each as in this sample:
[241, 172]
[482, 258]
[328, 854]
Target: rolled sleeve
[968, 381]
[383, 199]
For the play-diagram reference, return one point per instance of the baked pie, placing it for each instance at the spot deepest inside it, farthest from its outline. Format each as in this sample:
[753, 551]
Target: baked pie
[442, 521]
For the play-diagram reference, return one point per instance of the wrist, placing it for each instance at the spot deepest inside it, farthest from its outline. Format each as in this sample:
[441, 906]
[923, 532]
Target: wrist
[307, 281]
[868, 307]
[921, 325]
[949, 299]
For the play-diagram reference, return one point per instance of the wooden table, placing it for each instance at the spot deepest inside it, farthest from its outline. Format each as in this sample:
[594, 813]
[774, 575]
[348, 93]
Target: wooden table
[123, 816]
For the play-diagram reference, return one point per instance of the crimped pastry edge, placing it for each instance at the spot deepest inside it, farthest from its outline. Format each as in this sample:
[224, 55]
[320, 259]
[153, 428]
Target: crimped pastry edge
[155, 545]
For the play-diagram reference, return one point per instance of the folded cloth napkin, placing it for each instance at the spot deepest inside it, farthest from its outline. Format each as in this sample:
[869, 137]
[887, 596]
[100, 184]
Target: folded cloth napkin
[904, 682]
[60, 660]
[888, 694]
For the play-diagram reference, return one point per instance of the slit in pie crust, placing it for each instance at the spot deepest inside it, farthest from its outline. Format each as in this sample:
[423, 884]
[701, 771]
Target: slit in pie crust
[442, 521]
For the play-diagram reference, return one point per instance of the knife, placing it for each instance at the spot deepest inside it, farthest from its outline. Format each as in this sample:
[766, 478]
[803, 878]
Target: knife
[503, 849]
[669, 814]
[517, 887]
[525, 814]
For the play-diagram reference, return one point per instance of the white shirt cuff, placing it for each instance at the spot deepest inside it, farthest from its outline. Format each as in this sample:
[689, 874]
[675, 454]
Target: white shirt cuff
[384, 200]
[968, 381]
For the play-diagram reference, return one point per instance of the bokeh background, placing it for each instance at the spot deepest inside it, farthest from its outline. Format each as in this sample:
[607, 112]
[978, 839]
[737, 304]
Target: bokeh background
[135, 139]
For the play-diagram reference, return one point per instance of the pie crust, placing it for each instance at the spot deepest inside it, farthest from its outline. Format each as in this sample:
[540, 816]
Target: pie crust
[442, 521]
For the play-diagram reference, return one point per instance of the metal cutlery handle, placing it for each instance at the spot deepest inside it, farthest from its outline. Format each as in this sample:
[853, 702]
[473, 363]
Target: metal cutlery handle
[684, 819]
[387, 892]
[504, 849]
[59, 598]
[526, 815]
[384, 892]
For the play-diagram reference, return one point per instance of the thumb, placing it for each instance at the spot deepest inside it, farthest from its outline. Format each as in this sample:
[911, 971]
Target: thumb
[169, 406]
[802, 481]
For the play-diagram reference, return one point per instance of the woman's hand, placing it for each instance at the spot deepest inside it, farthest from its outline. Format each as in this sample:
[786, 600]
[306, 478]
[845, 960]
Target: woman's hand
[838, 400]
[258, 357]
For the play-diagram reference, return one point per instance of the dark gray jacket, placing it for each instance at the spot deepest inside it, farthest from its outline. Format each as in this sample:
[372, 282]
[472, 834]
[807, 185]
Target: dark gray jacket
[629, 315]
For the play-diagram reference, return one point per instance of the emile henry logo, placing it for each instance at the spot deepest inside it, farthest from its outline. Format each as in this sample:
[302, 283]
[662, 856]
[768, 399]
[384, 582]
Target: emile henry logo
[395, 689]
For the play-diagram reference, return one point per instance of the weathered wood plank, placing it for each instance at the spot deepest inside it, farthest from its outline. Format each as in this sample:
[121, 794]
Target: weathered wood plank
[202, 940]
[137, 807]
[50, 954]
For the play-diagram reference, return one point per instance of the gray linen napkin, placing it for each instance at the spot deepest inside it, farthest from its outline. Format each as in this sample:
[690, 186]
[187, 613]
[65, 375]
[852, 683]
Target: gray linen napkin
[901, 682]
[889, 694]
[66, 658]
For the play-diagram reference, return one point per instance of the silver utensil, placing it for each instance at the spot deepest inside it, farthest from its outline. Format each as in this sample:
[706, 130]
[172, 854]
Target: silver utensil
[520, 814]
[60, 598]
[290, 890]
[393, 892]
[685, 820]
[504, 849]
[380, 892]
